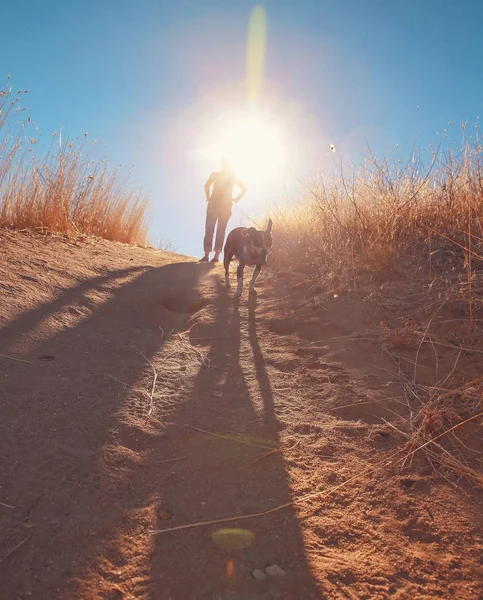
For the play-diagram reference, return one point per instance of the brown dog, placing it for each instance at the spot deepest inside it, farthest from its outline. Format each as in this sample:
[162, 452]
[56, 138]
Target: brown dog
[249, 246]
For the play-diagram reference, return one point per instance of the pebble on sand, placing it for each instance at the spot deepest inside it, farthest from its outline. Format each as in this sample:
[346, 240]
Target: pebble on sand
[258, 574]
[275, 571]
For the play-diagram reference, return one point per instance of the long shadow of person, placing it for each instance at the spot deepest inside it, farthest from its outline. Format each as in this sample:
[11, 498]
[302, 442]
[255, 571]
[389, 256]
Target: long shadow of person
[27, 322]
[64, 462]
[87, 487]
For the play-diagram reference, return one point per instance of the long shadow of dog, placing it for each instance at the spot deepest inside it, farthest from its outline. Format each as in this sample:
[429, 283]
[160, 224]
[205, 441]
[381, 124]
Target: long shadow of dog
[225, 477]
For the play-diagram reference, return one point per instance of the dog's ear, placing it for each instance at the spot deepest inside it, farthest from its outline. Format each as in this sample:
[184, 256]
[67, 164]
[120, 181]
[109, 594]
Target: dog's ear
[269, 226]
[248, 232]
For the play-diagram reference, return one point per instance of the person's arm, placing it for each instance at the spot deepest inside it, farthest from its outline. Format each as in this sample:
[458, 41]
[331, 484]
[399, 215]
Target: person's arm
[243, 189]
[207, 187]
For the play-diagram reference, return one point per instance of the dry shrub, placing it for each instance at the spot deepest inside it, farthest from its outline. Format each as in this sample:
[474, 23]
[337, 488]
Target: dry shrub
[62, 189]
[436, 423]
[386, 216]
[425, 223]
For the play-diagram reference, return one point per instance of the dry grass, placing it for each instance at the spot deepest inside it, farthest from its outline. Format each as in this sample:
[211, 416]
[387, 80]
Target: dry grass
[425, 224]
[388, 215]
[61, 189]
[437, 418]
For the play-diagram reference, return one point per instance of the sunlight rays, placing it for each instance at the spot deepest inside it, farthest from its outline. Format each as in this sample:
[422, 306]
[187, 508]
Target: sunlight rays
[250, 138]
[252, 143]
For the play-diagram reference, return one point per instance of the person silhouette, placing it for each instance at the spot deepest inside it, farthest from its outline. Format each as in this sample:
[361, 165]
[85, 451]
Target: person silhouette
[219, 206]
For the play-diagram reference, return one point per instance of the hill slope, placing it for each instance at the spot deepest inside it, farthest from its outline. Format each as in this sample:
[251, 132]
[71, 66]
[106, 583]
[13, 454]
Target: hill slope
[137, 396]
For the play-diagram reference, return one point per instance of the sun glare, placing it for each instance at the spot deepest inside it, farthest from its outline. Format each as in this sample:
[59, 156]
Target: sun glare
[253, 146]
[250, 139]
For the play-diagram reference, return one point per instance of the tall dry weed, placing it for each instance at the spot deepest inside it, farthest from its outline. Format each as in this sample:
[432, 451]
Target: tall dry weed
[387, 215]
[62, 189]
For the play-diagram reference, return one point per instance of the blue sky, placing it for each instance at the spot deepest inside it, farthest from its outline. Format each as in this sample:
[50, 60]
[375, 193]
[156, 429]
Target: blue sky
[144, 78]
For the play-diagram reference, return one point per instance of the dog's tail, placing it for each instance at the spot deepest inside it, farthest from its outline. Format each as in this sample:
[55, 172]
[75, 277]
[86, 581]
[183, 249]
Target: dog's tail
[269, 226]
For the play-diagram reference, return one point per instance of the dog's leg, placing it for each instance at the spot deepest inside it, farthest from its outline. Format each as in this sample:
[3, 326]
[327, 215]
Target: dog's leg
[256, 272]
[239, 276]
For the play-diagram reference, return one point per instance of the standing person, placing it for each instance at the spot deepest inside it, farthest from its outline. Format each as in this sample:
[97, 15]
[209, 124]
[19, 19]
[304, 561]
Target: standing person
[219, 207]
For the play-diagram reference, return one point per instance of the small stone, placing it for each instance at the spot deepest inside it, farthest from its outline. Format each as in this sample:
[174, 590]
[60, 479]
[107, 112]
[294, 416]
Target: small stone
[258, 574]
[275, 571]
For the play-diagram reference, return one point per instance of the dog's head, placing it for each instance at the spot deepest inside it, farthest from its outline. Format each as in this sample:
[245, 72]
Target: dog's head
[258, 242]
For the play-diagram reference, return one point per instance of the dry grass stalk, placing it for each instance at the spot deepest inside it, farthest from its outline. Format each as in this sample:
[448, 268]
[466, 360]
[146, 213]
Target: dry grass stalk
[265, 455]
[434, 409]
[153, 386]
[224, 437]
[170, 460]
[324, 493]
[21, 360]
[389, 214]
[425, 224]
[14, 549]
[61, 189]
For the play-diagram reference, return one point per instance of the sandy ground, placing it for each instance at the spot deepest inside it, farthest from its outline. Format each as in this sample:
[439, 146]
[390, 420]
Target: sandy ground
[137, 396]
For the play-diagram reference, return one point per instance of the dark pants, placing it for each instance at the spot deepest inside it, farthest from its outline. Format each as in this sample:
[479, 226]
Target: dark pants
[216, 211]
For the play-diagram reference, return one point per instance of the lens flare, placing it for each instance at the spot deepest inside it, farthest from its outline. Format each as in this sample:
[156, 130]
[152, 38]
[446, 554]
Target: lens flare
[253, 144]
[233, 539]
[257, 33]
[230, 569]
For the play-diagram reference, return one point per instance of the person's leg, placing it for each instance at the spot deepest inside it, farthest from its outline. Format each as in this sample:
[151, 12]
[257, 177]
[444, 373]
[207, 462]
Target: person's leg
[210, 223]
[223, 218]
[227, 257]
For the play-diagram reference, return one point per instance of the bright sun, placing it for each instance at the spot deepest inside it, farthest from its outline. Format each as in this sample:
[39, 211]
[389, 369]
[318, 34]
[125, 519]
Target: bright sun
[252, 144]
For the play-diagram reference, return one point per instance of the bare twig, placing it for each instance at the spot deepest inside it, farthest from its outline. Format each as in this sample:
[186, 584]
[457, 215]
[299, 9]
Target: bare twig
[264, 455]
[270, 511]
[359, 404]
[153, 387]
[224, 437]
[9, 554]
[424, 336]
[432, 440]
[450, 374]
[168, 460]
[323, 493]
[20, 360]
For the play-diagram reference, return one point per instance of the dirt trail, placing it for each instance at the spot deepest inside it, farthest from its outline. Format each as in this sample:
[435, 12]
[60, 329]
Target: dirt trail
[94, 458]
